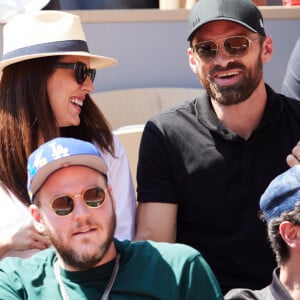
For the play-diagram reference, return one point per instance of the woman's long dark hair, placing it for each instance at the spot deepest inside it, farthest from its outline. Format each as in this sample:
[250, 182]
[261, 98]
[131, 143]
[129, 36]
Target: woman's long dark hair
[25, 113]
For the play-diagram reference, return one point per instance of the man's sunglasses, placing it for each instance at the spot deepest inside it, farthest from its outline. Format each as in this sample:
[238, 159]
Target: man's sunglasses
[80, 70]
[93, 197]
[234, 45]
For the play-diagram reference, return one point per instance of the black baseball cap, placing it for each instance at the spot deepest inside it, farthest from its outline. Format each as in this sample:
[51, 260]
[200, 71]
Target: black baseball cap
[243, 12]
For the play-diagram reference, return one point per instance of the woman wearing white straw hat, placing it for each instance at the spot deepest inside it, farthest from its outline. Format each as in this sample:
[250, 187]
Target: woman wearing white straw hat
[47, 76]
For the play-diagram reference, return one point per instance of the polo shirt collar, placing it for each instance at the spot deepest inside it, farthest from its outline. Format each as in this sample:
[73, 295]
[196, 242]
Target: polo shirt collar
[209, 119]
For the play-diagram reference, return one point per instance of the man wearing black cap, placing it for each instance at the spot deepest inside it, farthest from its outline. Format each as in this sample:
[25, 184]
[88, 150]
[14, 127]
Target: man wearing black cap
[280, 208]
[204, 165]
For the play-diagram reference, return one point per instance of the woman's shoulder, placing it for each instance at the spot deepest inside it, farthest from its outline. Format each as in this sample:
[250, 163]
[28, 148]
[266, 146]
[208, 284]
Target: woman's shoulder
[11, 208]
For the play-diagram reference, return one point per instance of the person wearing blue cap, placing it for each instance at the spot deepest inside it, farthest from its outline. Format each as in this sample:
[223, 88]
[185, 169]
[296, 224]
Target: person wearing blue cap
[73, 204]
[203, 165]
[280, 209]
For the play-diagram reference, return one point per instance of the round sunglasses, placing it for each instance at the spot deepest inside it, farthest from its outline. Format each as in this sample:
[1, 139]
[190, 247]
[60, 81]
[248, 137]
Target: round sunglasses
[93, 197]
[81, 71]
[234, 45]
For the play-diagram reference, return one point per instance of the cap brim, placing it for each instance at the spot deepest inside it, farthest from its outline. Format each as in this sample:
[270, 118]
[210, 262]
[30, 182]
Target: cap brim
[85, 160]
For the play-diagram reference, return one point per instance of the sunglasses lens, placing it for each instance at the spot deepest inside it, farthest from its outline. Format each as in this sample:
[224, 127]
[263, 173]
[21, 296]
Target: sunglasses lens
[63, 205]
[206, 50]
[92, 74]
[94, 197]
[80, 72]
[237, 45]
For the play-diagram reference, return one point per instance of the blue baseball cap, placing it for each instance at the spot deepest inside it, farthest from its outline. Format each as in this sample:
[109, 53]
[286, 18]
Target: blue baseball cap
[282, 194]
[60, 153]
[243, 12]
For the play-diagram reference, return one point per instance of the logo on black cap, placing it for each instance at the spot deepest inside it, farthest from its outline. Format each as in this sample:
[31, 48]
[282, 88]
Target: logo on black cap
[196, 21]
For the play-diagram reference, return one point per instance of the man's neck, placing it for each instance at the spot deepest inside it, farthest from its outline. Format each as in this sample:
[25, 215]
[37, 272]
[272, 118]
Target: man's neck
[243, 118]
[290, 278]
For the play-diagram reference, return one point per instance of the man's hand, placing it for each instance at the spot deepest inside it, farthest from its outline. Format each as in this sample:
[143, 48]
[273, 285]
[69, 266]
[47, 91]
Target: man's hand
[22, 237]
[294, 158]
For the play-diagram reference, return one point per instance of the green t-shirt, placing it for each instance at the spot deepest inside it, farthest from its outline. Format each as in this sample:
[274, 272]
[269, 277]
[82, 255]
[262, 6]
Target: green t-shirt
[148, 270]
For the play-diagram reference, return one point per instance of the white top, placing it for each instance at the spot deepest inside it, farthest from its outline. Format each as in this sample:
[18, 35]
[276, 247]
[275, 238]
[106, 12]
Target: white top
[119, 177]
[13, 211]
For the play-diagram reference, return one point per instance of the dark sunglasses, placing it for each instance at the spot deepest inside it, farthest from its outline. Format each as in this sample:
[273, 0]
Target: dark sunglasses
[234, 45]
[80, 70]
[93, 197]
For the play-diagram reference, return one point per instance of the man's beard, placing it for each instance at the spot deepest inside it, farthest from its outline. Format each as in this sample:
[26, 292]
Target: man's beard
[236, 93]
[83, 261]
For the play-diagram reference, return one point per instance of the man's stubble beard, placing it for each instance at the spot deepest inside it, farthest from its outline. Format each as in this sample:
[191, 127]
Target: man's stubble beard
[236, 93]
[83, 262]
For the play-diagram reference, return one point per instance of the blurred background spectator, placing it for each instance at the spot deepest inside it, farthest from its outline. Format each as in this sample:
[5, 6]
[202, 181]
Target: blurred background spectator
[10, 8]
[108, 4]
[53, 4]
[291, 80]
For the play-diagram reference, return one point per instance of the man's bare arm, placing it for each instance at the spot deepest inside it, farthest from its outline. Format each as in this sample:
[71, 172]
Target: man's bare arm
[156, 221]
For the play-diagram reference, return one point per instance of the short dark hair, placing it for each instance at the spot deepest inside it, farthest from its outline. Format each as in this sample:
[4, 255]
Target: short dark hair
[279, 247]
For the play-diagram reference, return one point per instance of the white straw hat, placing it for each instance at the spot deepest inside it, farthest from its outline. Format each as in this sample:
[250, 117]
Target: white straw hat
[47, 33]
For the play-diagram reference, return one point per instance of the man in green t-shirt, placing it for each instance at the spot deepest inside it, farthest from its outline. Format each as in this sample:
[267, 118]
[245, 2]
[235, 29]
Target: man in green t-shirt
[73, 204]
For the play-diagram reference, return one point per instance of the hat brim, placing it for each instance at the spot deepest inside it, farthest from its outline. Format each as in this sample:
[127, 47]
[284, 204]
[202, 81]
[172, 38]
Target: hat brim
[96, 61]
[85, 160]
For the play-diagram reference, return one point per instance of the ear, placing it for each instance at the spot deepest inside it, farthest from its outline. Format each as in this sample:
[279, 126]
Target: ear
[267, 49]
[37, 218]
[192, 60]
[290, 234]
